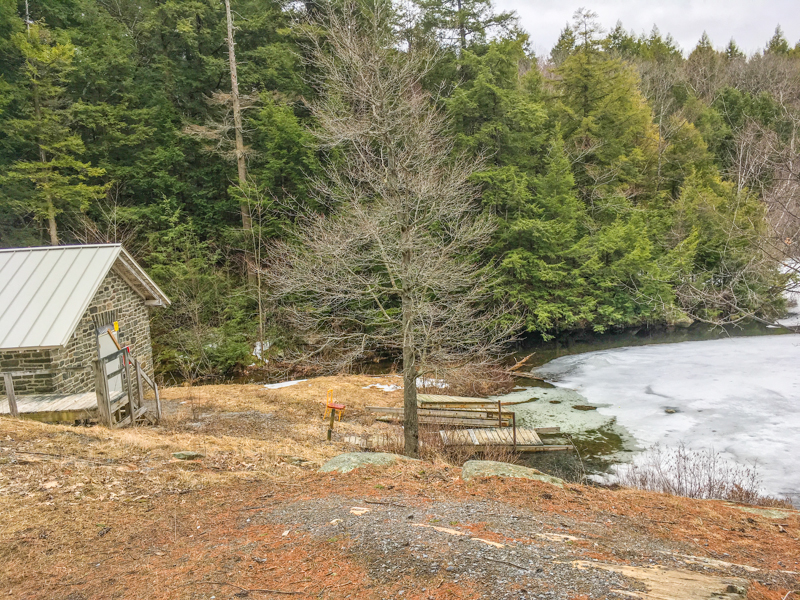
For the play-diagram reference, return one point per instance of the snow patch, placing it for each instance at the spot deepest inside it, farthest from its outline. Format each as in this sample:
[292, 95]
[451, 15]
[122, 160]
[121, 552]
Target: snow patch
[739, 396]
[390, 387]
[283, 384]
[260, 348]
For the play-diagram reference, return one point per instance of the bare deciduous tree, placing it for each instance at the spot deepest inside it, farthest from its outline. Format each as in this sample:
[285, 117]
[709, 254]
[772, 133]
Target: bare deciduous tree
[392, 266]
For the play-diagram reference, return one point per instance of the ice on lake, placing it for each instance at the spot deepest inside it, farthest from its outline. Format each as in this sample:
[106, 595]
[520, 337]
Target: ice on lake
[739, 396]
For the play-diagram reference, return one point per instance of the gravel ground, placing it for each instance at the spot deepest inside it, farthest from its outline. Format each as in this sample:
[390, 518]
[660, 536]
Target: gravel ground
[500, 551]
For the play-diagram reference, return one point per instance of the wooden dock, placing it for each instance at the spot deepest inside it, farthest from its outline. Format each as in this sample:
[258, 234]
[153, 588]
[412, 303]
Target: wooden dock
[478, 440]
[58, 408]
[474, 423]
[520, 439]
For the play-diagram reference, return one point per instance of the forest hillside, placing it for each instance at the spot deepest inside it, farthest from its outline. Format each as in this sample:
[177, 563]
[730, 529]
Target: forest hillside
[628, 181]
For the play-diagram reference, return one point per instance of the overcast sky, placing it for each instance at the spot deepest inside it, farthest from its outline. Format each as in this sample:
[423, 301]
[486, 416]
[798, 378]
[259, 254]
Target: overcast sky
[750, 22]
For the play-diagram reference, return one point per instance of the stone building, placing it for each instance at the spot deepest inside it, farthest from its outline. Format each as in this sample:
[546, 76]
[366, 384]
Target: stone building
[61, 307]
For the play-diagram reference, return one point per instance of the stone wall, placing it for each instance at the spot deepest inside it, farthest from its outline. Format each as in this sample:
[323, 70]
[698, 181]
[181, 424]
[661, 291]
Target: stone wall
[115, 300]
[28, 360]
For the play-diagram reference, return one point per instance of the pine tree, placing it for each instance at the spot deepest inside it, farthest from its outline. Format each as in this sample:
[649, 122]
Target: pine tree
[463, 22]
[51, 178]
[777, 44]
[732, 51]
[563, 47]
[539, 266]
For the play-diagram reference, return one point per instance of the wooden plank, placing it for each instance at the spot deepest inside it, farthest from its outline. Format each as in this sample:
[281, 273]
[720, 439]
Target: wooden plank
[67, 416]
[540, 430]
[128, 420]
[546, 448]
[442, 421]
[398, 410]
[12, 398]
[524, 437]
[158, 398]
[139, 390]
[101, 391]
[126, 365]
[536, 439]
[527, 448]
[472, 436]
[438, 399]
[41, 403]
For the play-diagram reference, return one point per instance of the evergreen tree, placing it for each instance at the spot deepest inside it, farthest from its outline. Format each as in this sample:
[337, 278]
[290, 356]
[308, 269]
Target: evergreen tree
[732, 51]
[540, 261]
[463, 22]
[777, 44]
[563, 47]
[50, 178]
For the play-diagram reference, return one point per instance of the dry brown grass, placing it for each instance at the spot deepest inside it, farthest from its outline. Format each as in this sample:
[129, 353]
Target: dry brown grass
[73, 498]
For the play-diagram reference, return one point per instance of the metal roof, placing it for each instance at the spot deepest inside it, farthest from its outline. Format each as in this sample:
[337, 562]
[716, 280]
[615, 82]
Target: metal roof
[45, 291]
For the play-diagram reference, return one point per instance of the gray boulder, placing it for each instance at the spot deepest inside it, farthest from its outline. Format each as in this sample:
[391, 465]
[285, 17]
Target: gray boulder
[188, 455]
[491, 468]
[344, 463]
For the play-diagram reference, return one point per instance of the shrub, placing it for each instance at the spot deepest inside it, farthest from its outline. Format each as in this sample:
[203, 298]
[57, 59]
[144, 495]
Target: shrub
[694, 474]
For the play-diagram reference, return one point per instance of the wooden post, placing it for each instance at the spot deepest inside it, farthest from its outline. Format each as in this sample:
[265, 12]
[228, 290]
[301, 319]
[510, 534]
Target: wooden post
[131, 404]
[158, 399]
[12, 397]
[139, 389]
[499, 414]
[330, 426]
[514, 426]
[101, 391]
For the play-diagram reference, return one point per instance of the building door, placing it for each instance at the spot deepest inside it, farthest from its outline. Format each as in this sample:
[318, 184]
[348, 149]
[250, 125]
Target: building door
[107, 345]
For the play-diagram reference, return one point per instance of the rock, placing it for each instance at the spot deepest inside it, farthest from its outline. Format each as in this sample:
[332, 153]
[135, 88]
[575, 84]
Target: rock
[188, 455]
[344, 463]
[491, 468]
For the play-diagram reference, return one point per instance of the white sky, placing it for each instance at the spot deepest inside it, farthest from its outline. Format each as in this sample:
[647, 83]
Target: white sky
[750, 22]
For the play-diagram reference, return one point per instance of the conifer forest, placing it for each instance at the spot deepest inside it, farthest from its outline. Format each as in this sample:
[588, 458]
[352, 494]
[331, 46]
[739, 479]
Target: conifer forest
[616, 181]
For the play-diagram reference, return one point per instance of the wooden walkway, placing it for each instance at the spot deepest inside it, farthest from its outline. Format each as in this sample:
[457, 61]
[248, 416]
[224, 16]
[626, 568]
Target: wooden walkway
[474, 423]
[57, 408]
[521, 439]
[479, 440]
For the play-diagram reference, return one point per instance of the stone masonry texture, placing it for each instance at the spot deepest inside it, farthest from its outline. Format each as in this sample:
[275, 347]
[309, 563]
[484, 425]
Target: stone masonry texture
[115, 300]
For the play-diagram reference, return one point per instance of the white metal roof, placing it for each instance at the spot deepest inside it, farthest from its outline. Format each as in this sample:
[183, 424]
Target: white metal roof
[45, 291]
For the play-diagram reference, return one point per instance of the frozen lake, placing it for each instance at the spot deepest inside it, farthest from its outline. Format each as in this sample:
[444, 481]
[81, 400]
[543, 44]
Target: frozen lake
[739, 396]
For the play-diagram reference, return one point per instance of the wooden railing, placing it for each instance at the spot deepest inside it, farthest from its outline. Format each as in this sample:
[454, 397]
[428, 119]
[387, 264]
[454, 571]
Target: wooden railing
[142, 376]
[115, 414]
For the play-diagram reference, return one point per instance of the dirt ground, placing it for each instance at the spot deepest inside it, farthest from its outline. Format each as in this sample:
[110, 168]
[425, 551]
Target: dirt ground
[96, 513]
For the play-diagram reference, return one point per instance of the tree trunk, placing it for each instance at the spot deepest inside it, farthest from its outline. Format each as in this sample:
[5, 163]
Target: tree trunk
[410, 421]
[51, 224]
[247, 222]
[462, 32]
[52, 228]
